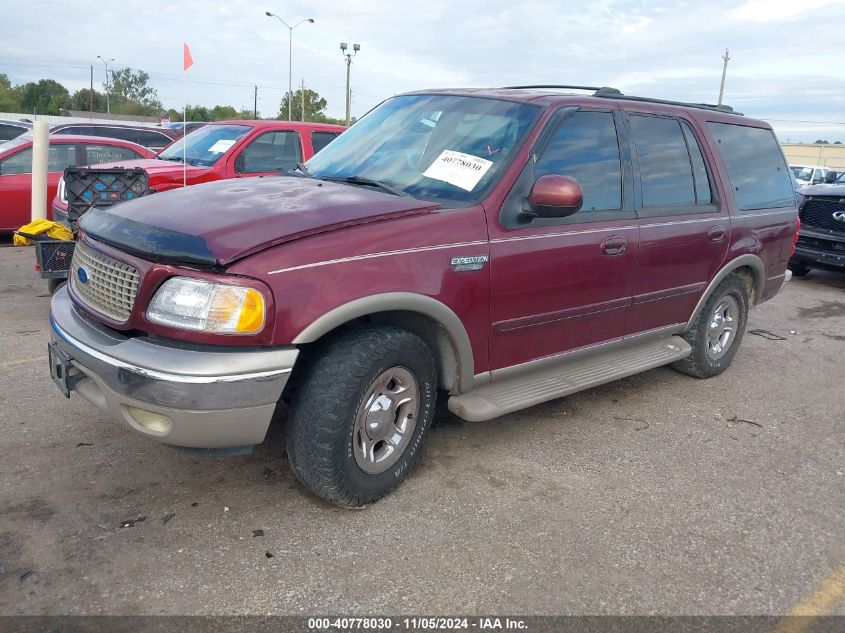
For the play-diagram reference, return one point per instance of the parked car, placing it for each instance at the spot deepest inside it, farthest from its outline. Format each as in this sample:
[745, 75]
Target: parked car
[13, 129]
[155, 138]
[809, 174]
[503, 247]
[228, 149]
[821, 241]
[65, 151]
[189, 126]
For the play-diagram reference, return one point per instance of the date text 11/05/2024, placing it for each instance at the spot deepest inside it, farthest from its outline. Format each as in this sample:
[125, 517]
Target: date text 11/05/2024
[417, 623]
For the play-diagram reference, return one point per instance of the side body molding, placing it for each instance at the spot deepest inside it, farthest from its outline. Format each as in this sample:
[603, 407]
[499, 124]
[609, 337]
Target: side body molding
[752, 261]
[433, 309]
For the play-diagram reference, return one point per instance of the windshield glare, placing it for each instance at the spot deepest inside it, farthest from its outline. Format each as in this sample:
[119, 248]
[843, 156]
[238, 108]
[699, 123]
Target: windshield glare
[205, 145]
[444, 148]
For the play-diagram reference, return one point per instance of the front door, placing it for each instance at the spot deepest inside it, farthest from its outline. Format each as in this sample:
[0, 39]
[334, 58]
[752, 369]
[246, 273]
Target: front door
[562, 284]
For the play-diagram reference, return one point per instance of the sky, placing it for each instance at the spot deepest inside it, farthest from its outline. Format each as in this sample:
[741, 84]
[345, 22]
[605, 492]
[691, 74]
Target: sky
[783, 67]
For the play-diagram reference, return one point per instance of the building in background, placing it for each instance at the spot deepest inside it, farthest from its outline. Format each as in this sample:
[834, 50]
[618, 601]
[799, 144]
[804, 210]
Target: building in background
[821, 154]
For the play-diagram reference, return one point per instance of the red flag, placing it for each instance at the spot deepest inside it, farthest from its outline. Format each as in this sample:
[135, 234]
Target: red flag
[187, 60]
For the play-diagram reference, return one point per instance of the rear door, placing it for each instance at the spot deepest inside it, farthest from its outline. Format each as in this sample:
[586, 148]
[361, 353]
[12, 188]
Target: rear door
[16, 182]
[684, 227]
[564, 283]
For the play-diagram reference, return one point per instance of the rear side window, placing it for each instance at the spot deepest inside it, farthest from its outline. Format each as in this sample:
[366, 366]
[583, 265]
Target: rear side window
[320, 139]
[153, 139]
[755, 165]
[95, 154]
[665, 166]
[586, 147]
[59, 156]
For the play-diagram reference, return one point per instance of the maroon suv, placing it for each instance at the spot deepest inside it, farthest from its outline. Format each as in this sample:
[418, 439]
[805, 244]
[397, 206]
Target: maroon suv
[500, 247]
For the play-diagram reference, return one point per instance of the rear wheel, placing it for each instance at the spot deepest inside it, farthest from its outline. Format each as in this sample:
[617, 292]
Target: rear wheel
[717, 331]
[360, 414]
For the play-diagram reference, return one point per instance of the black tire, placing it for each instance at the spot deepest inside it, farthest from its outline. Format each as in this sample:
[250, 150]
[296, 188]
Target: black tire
[799, 270]
[705, 361]
[323, 444]
[54, 284]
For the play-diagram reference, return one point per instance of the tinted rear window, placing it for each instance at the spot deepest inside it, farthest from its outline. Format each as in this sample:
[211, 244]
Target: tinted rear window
[320, 139]
[665, 169]
[755, 165]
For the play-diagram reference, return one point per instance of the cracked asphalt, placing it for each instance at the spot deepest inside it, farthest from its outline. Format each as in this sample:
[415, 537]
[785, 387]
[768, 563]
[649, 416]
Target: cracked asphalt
[658, 494]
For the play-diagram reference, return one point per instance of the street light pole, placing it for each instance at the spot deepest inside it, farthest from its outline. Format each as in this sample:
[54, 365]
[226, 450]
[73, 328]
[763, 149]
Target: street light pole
[290, 56]
[106, 64]
[348, 56]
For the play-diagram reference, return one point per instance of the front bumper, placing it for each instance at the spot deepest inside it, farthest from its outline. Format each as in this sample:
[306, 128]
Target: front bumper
[820, 248]
[210, 397]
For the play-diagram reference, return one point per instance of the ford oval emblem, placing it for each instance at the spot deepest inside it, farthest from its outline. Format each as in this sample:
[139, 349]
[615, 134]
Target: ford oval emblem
[82, 275]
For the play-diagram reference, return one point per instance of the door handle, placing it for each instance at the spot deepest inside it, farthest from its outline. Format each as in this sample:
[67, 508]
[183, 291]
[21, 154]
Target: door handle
[717, 233]
[614, 246]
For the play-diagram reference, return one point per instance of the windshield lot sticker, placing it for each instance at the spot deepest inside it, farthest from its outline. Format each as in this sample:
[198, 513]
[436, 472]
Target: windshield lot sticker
[458, 169]
[220, 146]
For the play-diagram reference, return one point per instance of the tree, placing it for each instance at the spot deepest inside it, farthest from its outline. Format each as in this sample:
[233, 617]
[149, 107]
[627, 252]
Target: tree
[314, 106]
[79, 100]
[131, 93]
[45, 97]
[820, 142]
[10, 99]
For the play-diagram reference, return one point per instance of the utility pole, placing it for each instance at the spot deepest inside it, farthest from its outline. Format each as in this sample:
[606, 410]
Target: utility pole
[724, 72]
[255, 104]
[302, 92]
[348, 56]
[108, 90]
[91, 91]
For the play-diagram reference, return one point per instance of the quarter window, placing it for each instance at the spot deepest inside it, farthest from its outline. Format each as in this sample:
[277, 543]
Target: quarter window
[665, 166]
[703, 193]
[755, 165]
[320, 139]
[586, 148]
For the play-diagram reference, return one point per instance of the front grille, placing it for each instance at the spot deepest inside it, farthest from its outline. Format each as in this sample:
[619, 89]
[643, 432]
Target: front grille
[818, 212]
[111, 285]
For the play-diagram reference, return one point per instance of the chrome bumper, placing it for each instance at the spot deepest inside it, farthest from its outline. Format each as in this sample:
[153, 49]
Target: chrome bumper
[199, 397]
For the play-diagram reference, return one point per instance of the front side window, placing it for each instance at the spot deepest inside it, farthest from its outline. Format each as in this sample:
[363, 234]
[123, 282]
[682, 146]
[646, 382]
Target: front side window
[206, 145]
[586, 148]
[665, 167]
[755, 165]
[95, 154]
[444, 148]
[272, 151]
[58, 158]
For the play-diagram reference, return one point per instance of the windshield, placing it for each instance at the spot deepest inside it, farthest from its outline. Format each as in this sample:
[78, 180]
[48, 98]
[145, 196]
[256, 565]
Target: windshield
[206, 145]
[444, 148]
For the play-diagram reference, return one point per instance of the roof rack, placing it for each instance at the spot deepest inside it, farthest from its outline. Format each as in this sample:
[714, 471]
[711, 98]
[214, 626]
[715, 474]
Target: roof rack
[614, 93]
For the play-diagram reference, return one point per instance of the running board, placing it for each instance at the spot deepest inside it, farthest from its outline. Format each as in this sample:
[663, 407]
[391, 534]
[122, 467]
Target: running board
[549, 382]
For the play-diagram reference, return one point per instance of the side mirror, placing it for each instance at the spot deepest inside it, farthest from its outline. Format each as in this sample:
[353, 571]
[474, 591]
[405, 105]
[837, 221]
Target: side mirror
[830, 177]
[552, 196]
[240, 163]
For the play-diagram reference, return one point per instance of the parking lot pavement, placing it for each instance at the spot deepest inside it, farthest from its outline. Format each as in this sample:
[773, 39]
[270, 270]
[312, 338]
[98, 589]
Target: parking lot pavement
[656, 494]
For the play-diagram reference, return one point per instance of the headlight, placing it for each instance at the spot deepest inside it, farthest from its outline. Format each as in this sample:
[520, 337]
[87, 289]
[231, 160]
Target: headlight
[799, 198]
[62, 190]
[203, 306]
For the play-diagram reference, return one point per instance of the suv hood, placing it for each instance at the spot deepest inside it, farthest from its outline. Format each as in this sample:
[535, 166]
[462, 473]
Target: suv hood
[217, 223]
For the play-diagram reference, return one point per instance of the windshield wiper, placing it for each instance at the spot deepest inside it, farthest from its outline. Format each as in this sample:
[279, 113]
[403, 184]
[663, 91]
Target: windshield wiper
[369, 182]
[303, 171]
[178, 159]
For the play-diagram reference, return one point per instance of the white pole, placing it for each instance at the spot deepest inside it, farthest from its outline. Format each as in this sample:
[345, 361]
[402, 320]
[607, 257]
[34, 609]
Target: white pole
[184, 130]
[40, 150]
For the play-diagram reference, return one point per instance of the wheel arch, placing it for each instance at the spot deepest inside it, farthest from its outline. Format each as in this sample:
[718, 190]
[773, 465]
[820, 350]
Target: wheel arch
[750, 269]
[428, 318]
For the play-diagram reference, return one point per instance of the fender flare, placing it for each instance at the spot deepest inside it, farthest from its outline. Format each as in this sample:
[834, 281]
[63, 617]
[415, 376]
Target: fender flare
[752, 261]
[438, 312]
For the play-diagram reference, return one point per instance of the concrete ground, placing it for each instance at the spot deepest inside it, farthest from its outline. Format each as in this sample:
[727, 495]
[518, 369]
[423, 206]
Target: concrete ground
[658, 494]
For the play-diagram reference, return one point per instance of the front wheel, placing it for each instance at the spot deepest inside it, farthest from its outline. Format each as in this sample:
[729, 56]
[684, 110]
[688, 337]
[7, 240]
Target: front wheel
[717, 330]
[360, 415]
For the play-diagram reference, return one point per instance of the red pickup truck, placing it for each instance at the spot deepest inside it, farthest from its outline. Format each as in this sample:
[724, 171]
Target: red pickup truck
[498, 247]
[226, 149]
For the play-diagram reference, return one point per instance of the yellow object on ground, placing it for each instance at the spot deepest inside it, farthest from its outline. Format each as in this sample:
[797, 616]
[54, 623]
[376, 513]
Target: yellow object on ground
[39, 227]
